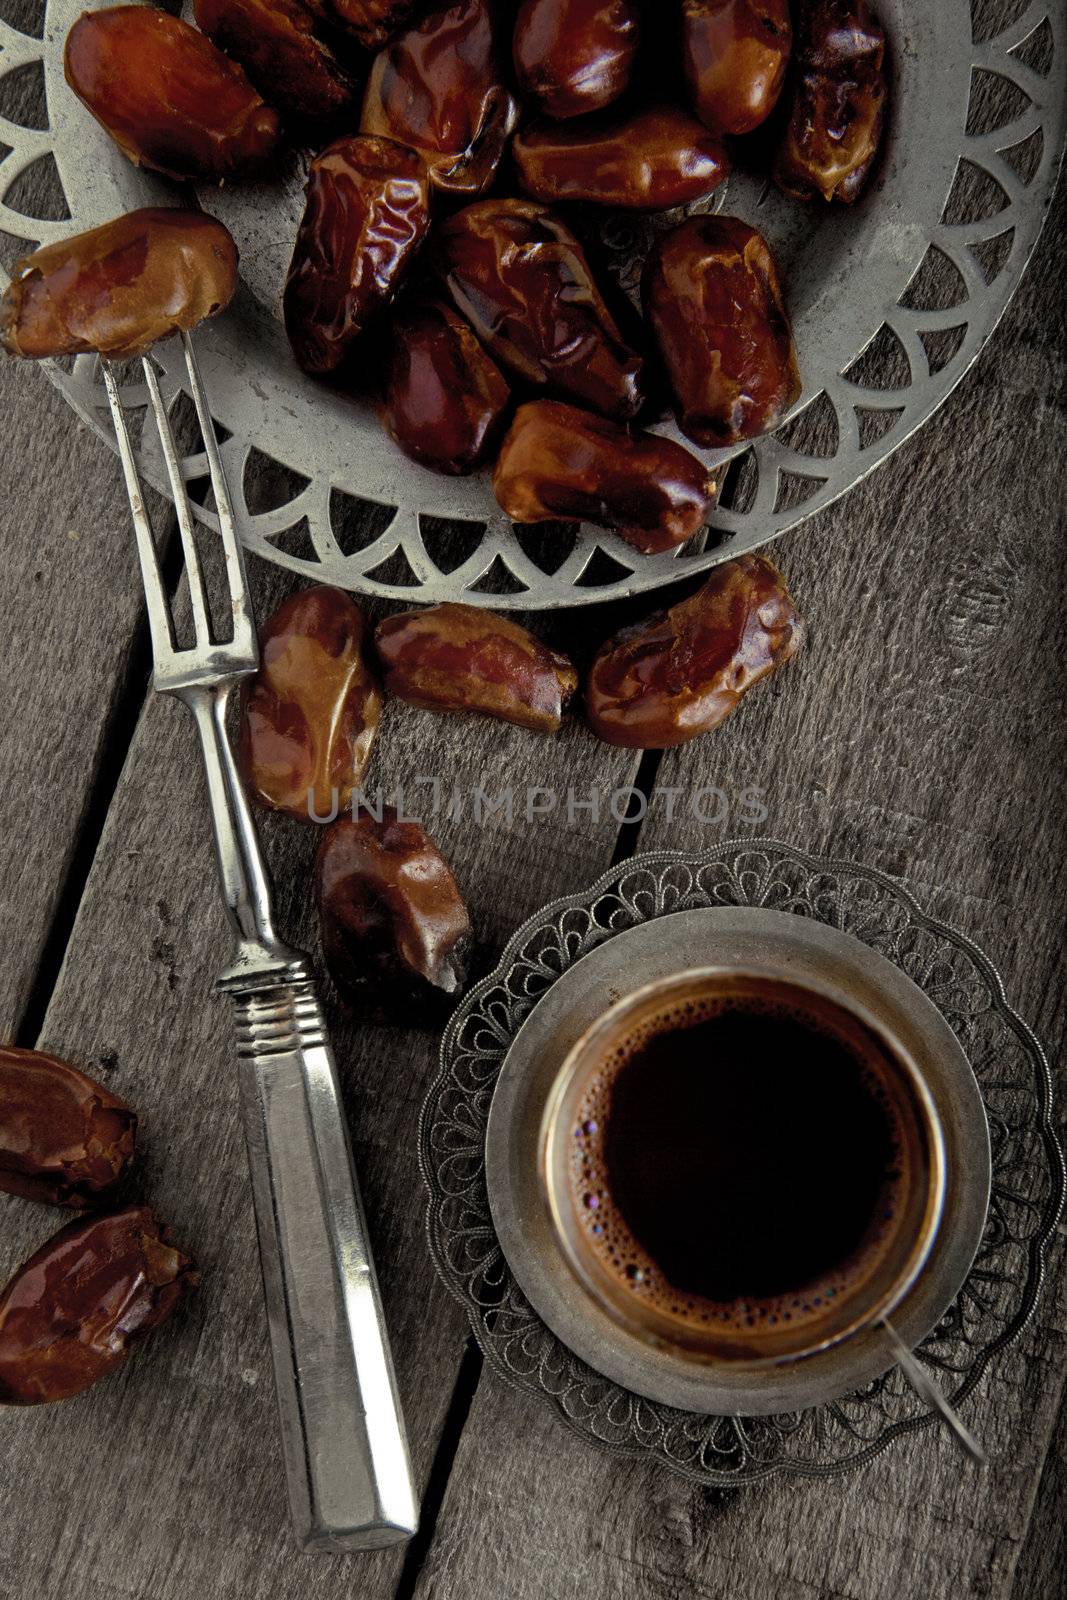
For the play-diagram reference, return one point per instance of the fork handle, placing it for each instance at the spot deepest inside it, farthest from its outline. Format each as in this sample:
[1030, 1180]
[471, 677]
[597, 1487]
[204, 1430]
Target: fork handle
[346, 1455]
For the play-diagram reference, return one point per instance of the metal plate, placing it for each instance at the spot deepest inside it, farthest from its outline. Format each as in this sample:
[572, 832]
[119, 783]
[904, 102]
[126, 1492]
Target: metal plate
[742, 937]
[1001, 1290]
[916, 275]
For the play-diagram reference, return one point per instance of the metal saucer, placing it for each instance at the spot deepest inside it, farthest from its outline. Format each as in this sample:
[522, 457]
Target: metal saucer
[707, 937]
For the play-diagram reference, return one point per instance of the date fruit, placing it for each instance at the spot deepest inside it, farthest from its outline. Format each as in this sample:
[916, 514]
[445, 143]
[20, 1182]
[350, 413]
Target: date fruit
[444, 398]
[119, 287]
[735, 54]
[74, 1310]
[838, 105]
[658, 158]
[310, 713]
[711, 293]
[169, 99]
[557, 461]
[461, 658]
[64, 1138]
[521, 279]
[276, 43]
[681, 673]
[367, 213]
[573, 56]
[372, 21]
[395, 931]
[439, 88]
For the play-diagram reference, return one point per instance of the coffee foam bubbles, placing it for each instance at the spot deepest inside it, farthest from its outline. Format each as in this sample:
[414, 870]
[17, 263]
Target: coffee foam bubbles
[612, 1242]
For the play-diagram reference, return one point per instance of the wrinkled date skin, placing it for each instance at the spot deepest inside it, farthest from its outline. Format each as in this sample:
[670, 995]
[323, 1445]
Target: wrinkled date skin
[735, 54]
[838, 105]
[557, 461]
[439, 89]
[395, 931]
[711, 293]
[367, 213]
[520, 277]
[310, 713]
[683, 671]
[372, 21]
[658, 158]
[276, 43]
[72, 1312]
[64, 1138]
[573, 56]
[444, 399]
[169, 99]
[119, 288]
[461, 658]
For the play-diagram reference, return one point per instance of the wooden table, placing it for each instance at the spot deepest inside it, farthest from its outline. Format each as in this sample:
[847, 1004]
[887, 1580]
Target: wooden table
[921, 731]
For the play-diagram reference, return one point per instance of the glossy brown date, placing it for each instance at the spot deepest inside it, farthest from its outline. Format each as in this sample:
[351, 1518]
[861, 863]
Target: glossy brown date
[557, 461]
[683, 671]
[310, 713]
[711, 293]
[573, 56]
[439, 88]
[119, 287]
[461, 658]
[838, 102]
[372, 21]
[658, 158]
[64, 1138]
[444, 399]
[735, 54]
[276, 43]
[73, 1312]
[394, 928]
[169, 99]
[521, 279]
[367, 213]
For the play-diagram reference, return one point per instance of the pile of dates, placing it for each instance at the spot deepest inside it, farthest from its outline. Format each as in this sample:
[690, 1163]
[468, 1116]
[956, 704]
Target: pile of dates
[464, 152]
[395, 932]
[73, 1312]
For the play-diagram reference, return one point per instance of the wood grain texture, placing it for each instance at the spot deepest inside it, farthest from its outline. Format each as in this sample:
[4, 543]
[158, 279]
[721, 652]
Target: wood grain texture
[921, 731]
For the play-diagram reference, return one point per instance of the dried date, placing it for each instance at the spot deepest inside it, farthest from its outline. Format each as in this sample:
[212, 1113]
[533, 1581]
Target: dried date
[119, 288]
[711, 294]
[310, 713]
[74, 1310]
[169, 99]
[557, 461]
[394, 928]
[367, 213]
[682, 672]
[461, 658]
[658, 158]
[64, 1138]
[518, 275]
[838, 102]
[277, 44]
[439, 88]
[735, 54]
[573, 56]
[373, 22]
[444, 398]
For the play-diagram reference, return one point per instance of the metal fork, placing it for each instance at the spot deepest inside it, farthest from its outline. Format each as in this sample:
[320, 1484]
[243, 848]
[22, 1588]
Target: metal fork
[346, 1455]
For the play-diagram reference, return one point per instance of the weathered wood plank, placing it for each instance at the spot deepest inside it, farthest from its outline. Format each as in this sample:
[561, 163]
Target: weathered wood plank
[921, 731]
[187, 1479]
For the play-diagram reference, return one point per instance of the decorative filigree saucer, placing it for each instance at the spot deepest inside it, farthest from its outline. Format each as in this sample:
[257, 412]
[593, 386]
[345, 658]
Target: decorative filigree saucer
[1028, 1178]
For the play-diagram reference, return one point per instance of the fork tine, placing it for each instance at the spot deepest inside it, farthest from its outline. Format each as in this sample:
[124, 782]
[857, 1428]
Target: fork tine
[197, 592]
[244, 630]
[159, 620]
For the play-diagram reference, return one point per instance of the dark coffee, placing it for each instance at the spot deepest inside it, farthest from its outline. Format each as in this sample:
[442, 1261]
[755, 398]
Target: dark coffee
[739, 1158]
